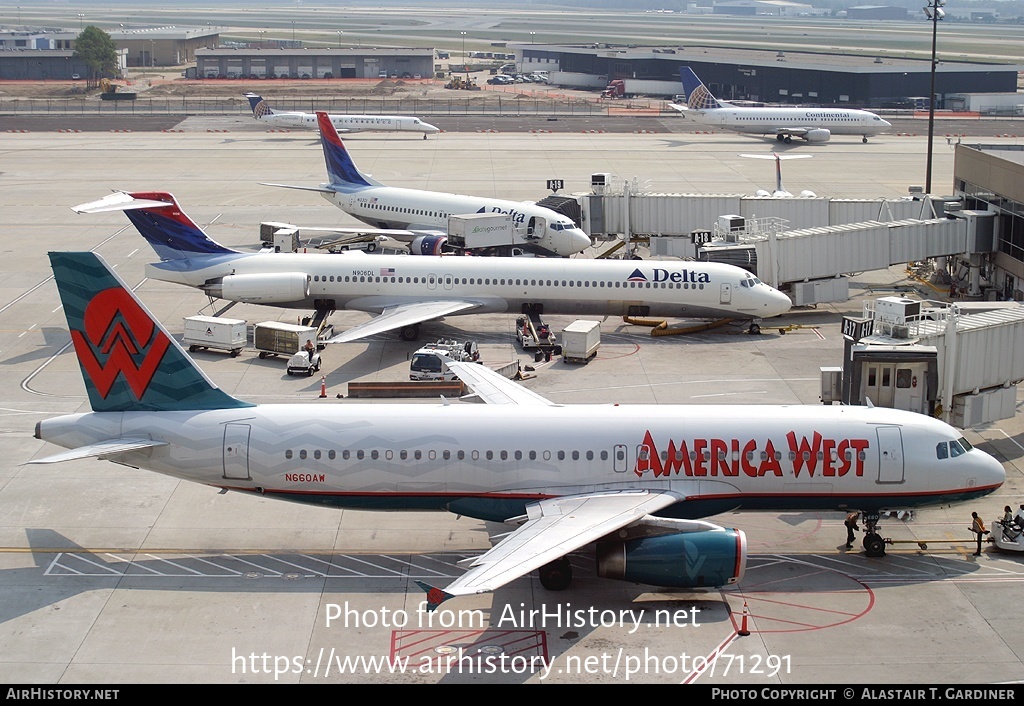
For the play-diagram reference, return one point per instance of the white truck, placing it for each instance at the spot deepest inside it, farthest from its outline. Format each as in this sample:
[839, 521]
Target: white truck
[580, 341]
[202, 332]
[429, 362]
[480, 231]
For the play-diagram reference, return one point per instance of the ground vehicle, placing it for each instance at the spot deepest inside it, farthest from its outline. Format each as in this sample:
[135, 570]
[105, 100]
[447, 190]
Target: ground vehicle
[1007, 537]
[304, 363]
[276, 338]
[580, 341]
[465, 84]
[201, 332]
[500, 80]
[429, 362]
[535, 334]
[111, 91]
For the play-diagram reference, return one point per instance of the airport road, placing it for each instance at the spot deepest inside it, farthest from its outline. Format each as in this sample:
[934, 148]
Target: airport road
[139, 578]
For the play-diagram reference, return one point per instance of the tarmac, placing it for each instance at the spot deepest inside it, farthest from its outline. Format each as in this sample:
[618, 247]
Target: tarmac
[111, 575]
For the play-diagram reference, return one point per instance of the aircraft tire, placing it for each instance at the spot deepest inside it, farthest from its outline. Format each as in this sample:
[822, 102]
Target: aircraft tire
[874, 545]
[556, 575]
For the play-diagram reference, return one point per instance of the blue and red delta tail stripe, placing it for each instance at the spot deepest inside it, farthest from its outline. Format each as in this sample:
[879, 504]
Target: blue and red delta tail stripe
[698, 97]
[169, 231]
[129, 361]
[341, 171]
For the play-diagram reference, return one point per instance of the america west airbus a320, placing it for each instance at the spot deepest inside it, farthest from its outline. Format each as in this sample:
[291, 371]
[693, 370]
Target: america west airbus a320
[632, 479]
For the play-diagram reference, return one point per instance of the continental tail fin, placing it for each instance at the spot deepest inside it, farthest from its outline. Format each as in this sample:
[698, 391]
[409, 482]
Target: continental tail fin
[698, 97]
[129, 361]
[341, 170]
[160, 220]
[260, 108]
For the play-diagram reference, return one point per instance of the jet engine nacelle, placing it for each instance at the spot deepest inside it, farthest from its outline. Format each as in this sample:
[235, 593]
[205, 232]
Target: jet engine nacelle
[704, 559]
[818, 135]
[428, 245]
[272, 288]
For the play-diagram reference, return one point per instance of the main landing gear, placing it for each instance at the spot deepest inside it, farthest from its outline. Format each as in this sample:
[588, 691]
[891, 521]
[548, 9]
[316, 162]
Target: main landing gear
[787, 139]
[556, 575]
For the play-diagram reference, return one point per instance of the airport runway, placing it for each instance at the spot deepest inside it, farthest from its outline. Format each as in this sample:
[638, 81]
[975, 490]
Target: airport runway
[111, 575]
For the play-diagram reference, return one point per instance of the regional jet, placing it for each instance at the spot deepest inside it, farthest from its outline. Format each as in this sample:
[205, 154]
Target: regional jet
[633, 479]
[262, 111]
[810, 124]
[404, 291]
[412, 213]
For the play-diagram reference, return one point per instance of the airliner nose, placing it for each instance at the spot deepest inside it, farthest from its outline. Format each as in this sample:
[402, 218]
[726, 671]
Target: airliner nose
[990, 471]
[776, 304]
[429, 129]
[579, 240]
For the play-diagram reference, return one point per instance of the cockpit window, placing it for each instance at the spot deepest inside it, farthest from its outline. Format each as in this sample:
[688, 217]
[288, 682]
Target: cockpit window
[941, 450]
[955, 449]
[965, 443]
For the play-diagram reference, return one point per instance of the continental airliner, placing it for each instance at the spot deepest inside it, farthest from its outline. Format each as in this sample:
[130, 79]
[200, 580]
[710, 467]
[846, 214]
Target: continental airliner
[810, 124]
[634, 480]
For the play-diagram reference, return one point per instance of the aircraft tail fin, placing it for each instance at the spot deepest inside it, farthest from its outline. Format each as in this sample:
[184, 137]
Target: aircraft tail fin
[260, 108]
[128, 360]
[160, 220]
[698, 97]
[341, 170]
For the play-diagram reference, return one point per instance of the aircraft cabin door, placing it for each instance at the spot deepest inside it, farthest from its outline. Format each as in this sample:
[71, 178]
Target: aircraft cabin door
[725, 297]
[890, 455]
[236, 451]
[535, 228]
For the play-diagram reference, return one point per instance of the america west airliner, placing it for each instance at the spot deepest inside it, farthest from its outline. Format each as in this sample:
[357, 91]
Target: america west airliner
[404, 291]
[262, 111]
[632, 479]
[810, 124]
[414, 213]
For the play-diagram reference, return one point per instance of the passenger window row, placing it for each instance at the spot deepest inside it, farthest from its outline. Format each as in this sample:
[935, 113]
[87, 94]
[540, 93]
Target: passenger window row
[461, 455]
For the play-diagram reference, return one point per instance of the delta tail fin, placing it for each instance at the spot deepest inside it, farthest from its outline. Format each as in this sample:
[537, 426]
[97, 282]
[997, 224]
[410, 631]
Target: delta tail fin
[698, 97]
[341, 170]
[160, 220]
[260, 108]
[128, 360]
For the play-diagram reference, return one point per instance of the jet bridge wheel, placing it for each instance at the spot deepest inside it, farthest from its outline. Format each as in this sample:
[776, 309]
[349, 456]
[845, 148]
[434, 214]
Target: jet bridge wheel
[556, 575]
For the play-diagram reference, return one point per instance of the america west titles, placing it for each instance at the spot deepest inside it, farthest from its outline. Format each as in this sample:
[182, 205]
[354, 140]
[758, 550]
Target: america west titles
[826, 457]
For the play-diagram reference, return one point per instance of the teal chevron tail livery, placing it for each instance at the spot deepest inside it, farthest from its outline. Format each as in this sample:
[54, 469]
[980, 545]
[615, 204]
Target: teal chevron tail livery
[128, 360]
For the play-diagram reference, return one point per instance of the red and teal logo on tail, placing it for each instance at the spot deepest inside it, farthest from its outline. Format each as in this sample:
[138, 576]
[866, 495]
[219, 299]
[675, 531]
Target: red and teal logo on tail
[128, 360]
[119, 338]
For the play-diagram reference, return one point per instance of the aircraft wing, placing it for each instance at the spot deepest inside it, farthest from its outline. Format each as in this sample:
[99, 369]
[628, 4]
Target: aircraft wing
[494, 388]
[101, 449]
[553, 528]
[403, 315]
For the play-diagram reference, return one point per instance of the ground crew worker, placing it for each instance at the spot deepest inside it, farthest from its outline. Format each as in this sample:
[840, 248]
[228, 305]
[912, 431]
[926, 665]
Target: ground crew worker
[978, 527]
[851, 526]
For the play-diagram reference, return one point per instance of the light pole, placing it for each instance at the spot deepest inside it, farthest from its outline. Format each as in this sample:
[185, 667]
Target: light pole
[532, 35]
[81, 18]
[339, 38]
[465, 59]
[934, 12]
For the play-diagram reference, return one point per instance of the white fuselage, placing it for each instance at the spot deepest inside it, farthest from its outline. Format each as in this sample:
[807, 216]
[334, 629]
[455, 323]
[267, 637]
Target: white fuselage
[392, 207]
[372, 283]
[764, 121]
[463, 458]
[352, 123]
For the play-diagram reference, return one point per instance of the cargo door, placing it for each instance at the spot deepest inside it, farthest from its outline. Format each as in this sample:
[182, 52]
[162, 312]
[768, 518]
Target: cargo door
[890, 455]
[236, 451]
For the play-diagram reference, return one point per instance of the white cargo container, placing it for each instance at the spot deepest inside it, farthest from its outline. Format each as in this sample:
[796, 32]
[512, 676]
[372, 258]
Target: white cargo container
[276, 338]
[201, 332]
[580, 341]
[481, 230]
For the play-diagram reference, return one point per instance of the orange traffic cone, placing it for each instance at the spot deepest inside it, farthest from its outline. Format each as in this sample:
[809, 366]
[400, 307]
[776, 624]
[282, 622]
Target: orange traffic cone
[323, 386]
[743, 632]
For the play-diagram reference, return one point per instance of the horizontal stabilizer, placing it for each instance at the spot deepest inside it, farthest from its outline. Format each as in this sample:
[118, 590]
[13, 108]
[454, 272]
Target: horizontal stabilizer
[103, 449]
[318, 189]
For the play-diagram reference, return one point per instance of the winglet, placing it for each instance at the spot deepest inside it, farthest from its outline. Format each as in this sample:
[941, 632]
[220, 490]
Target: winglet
[435, 596]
